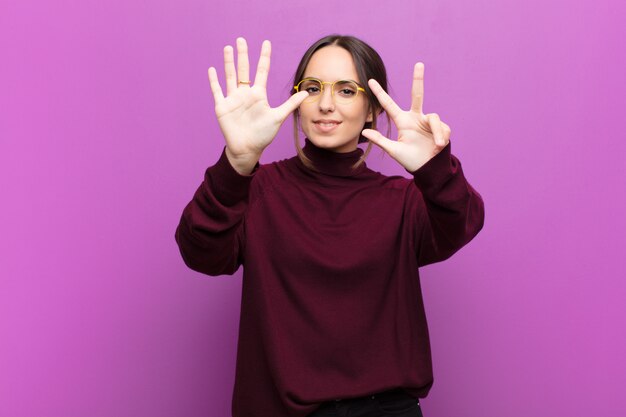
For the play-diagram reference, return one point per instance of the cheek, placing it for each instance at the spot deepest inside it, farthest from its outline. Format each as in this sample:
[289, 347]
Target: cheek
[359, 113]
[302, 118]
[304, 129]
[304, 115]
[303, 121]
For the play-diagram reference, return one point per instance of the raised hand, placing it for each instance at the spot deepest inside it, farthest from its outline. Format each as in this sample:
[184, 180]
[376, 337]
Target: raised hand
[420, 136]
[246, 119]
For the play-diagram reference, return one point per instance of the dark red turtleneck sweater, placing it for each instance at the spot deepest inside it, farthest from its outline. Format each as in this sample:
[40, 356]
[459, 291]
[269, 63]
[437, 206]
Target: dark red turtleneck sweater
[331, 304]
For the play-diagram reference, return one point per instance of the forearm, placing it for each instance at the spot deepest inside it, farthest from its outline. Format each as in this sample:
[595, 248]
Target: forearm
[209, 233]
[455, 211]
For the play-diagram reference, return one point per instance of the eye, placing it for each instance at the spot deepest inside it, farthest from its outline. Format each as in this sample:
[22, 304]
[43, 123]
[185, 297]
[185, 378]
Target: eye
[313, 87]
[347, 92]
[346, 89]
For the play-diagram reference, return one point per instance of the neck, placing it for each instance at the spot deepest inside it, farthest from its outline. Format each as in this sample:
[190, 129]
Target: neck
[341, 164]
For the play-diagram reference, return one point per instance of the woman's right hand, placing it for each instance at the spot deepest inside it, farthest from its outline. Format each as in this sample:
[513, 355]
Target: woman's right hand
[246, 119]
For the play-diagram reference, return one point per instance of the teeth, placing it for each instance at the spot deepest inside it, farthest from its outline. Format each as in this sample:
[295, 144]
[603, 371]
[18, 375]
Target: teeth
[328, 124]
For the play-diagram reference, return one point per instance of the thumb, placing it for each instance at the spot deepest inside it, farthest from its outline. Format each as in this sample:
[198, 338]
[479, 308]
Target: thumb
[378, 139]
[291, 104]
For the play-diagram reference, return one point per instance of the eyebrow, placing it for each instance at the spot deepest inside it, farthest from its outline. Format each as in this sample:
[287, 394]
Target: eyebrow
[340, 79]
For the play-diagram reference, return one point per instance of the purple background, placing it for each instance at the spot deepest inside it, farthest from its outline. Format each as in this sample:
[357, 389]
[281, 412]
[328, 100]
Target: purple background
[107, 125]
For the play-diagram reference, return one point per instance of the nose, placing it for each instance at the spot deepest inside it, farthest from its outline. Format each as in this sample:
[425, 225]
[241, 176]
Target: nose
[326, 101]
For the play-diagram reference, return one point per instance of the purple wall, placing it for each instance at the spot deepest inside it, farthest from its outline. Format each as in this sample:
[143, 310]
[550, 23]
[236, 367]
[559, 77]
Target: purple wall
[107, 125]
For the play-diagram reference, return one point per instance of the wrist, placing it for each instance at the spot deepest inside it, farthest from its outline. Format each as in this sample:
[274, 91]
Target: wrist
[244, 164]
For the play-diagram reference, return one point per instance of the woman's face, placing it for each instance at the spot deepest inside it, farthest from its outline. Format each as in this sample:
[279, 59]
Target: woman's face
[328, 124]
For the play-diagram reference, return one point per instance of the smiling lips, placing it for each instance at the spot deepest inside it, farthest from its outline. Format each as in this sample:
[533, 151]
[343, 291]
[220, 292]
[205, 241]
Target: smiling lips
[326, 125]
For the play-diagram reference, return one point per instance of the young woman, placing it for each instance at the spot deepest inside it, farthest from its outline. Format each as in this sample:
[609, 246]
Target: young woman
[332, 319]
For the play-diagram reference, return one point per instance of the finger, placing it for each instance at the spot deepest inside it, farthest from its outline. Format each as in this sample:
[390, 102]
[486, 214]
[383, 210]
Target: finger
[377, 138]
[291, 104]
[447, 132]
[388, 104]
[216, 89]
[263, 68]
[243, 66]
[434, 122]
[229, 70]
[417, 90]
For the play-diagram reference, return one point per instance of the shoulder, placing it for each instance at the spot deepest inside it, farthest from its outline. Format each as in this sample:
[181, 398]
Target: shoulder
[268, 173]
[390, 182]
[271, 176]
[395, 191]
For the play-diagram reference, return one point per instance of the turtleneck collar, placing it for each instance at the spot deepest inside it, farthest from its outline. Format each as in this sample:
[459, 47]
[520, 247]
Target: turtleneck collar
[333, 163]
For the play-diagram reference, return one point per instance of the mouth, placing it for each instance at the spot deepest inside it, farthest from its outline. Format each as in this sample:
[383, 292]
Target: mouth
[326, 123]
[325, 126]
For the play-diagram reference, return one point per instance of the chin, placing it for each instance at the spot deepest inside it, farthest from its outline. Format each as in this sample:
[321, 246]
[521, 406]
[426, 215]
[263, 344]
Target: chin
[333, 144]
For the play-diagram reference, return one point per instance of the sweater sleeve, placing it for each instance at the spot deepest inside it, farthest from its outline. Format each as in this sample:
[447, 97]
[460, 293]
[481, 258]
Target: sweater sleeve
[454, 210]
[210, 232]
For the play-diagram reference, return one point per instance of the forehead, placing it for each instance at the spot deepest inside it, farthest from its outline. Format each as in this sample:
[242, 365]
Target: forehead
[331, 63]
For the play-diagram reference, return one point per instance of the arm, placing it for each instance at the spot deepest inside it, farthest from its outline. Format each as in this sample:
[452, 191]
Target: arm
[454, 210]
[210, 232]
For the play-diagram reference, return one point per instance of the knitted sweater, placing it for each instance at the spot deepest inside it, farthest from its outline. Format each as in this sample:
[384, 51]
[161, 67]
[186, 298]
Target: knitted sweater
[331, 305]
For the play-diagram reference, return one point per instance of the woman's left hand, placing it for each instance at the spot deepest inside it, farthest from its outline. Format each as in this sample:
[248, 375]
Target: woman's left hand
[420, 136]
